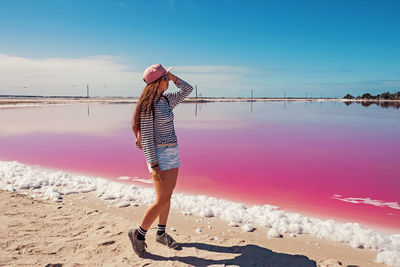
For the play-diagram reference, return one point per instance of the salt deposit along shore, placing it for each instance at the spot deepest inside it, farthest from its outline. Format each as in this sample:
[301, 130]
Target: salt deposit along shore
[26, 102]
[52, 217]
[8, 102]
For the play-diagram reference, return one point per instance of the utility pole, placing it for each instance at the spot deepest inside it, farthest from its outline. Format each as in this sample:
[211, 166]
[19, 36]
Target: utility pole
[87, 90]
[196, 91]
[285, 95]
[251, 94]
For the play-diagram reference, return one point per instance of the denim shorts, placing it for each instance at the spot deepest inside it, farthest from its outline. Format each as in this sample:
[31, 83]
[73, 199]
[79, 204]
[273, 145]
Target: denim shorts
[167, 157]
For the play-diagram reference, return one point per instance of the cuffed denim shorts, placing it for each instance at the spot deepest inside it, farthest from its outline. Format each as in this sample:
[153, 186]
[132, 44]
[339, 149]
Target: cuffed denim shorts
[167, 158]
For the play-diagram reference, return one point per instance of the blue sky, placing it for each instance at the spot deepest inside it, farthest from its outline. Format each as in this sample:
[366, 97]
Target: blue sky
[322, 48]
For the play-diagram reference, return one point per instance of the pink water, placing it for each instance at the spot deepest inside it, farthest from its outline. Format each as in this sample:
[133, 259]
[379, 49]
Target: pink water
[297, 156]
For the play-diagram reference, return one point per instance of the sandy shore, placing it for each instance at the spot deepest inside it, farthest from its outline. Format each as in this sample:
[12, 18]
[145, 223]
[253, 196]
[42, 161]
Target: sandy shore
[85, 230]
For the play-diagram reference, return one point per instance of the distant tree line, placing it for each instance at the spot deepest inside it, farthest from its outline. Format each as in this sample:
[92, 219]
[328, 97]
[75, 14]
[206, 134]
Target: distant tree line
[383, 96]
[382, 104]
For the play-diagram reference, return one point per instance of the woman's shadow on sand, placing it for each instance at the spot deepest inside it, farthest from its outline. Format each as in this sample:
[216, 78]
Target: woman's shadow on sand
[250, 255]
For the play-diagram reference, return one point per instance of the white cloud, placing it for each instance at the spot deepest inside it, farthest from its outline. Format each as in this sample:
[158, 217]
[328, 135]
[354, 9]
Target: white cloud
[212, 69]
[60, 76]
[218, 80]
[106, 76]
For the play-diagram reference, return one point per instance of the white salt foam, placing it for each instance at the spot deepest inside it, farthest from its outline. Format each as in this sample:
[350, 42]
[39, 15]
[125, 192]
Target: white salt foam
[135, 179]
[248, 227]
[124, 178]
[146, 181]
[15, 176]
[368, 201]
[273, 233]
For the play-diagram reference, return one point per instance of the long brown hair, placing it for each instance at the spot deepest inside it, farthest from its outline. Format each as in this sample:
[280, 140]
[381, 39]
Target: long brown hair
[144, 104]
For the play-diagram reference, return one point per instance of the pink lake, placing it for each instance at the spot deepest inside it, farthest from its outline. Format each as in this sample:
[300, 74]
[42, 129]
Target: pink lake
[322, 159]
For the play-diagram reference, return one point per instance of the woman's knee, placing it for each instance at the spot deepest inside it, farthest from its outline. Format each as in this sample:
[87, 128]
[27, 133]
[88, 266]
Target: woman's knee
[163, 202]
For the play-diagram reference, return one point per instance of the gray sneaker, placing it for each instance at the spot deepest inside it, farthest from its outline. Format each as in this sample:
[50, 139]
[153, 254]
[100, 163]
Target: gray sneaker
[139, 246]
[167, 240]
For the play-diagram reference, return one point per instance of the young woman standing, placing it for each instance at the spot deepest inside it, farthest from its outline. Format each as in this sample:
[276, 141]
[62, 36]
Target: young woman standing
[153, 125]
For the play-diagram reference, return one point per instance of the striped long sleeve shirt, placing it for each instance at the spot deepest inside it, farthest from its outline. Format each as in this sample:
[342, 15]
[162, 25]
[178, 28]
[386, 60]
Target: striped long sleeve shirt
[160, 130]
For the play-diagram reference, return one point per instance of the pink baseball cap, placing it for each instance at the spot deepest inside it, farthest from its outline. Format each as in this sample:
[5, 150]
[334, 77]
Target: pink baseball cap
[154, 72]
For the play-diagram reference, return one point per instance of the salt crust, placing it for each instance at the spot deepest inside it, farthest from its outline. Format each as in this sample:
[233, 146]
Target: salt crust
[273, 233]
[248, 227]
[15, 176]
[368, 201]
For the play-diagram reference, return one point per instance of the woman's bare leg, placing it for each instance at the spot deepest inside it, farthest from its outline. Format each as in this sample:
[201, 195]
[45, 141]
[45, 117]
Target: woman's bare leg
[173, 175]
[164, 191]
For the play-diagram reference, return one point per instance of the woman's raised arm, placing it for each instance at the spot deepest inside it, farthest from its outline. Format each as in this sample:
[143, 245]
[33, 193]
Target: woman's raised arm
[177, 97]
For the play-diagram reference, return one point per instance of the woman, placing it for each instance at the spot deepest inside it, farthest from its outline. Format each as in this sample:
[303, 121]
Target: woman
[153, 125]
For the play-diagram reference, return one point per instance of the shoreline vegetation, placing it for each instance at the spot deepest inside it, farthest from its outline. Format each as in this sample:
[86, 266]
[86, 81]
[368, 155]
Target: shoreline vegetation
[367, 96]
[384, 100]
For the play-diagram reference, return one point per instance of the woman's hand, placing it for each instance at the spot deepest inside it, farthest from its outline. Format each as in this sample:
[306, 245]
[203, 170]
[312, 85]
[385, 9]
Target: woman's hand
[156, 173]
[172, 77]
